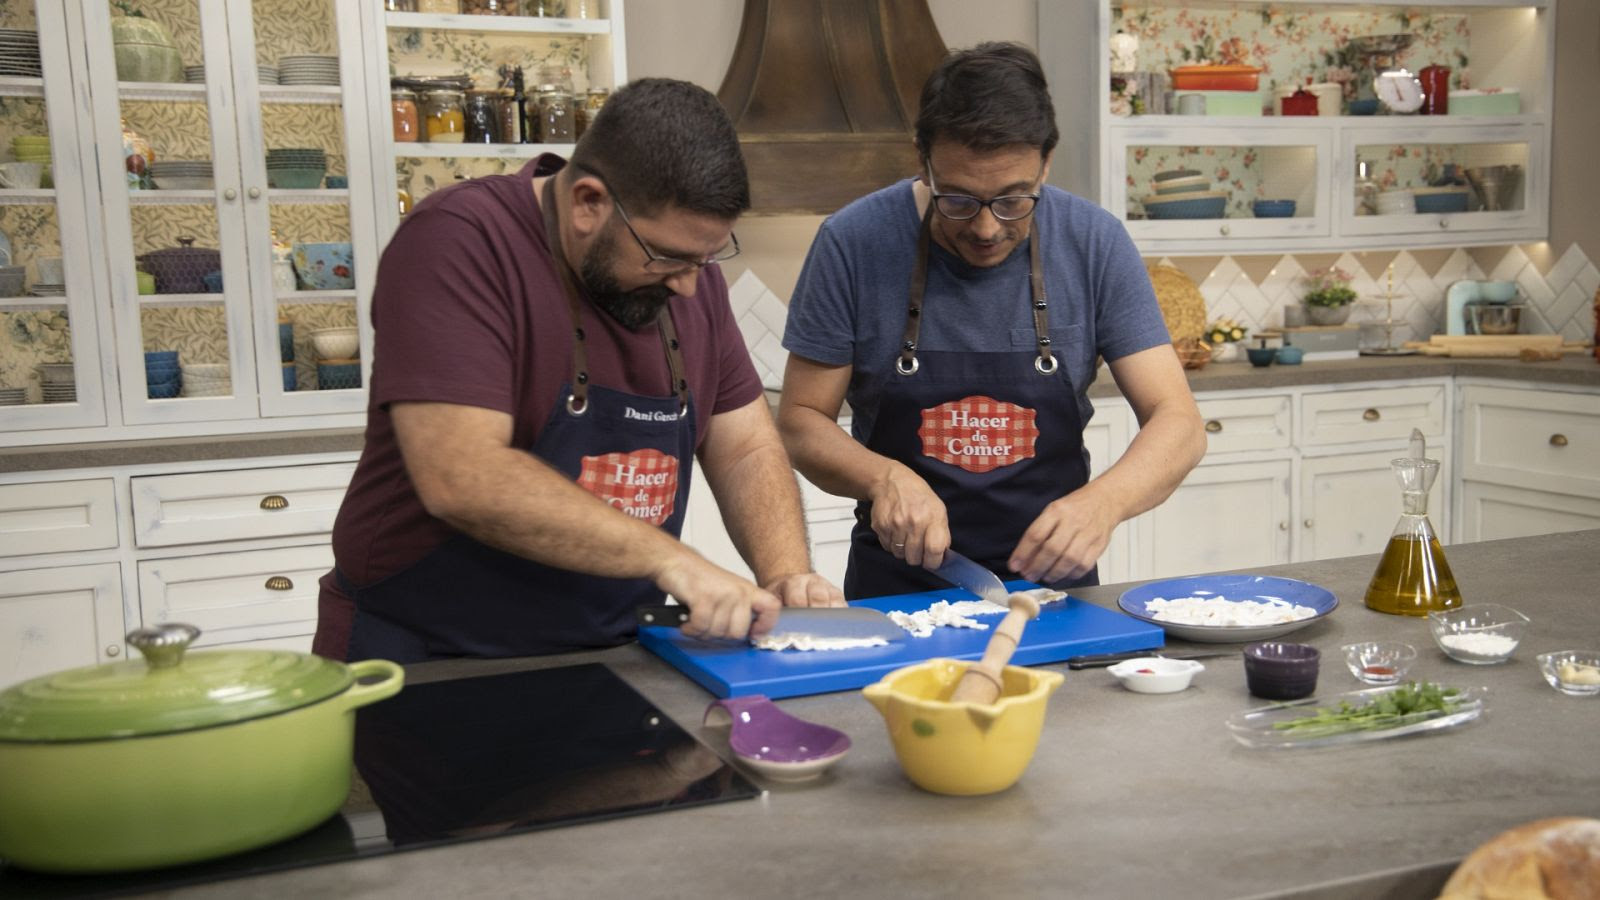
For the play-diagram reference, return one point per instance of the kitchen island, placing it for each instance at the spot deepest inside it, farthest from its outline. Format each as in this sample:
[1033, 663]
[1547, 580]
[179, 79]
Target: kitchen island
[1129, 795]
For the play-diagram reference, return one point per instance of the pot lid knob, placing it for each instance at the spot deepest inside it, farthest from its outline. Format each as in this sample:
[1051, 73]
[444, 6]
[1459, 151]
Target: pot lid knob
[186, 241]
[162, 645]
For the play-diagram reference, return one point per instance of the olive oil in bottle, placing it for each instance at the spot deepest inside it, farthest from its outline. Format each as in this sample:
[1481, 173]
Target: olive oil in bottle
[1413, 578]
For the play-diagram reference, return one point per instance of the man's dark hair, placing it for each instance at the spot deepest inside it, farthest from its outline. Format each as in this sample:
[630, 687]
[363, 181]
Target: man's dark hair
[663, 143]
[991, 96]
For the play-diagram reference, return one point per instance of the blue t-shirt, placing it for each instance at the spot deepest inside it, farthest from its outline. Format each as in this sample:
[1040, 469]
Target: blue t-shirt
[849, 306]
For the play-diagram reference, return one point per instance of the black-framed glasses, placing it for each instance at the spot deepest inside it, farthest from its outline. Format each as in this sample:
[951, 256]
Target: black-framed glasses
[655, 262]
[961, 207]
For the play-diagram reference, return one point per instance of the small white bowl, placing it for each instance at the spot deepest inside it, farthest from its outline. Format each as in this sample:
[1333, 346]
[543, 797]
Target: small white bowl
[336, 343]
[1155, 674]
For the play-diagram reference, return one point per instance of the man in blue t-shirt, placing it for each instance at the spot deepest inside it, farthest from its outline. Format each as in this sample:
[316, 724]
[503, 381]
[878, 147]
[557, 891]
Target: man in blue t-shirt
[961, 313]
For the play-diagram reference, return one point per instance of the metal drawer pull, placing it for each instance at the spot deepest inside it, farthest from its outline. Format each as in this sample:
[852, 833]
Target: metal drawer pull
[1558, 440]
[274, 501]
[1213, 426]
[279, 583]
[113, 650]
[1308, 523]
[1371, 415]
[1283, 526]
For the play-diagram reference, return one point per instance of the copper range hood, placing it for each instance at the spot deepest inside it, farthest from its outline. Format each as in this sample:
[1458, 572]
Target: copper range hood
[824, 95]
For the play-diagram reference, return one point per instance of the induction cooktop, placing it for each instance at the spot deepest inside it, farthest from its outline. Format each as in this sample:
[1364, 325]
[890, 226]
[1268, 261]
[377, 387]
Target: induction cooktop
[468, 759]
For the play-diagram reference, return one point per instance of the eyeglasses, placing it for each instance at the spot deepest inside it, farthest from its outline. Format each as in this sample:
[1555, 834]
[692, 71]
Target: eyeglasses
[961, 207]
[655, 262]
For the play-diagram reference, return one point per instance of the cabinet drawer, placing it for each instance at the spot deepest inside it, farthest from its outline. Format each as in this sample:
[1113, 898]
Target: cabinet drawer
[231, 597]
[57, 517]
[1382, 414]
[1535, 439]
[228, 506]
[1246, 423]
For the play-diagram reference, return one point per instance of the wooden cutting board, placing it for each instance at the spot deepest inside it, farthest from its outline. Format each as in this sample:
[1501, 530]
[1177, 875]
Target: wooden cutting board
[1494, 346]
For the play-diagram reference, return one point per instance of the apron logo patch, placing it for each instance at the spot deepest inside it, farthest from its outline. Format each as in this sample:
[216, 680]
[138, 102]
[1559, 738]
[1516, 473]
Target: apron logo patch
[643, 484]
[978, 433]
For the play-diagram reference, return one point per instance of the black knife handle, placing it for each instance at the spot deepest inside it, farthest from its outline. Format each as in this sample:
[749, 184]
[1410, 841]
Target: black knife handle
[1095, 661]
[668, 614]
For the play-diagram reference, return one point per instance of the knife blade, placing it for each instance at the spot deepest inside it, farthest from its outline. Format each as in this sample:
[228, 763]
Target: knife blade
[830, 622]
[964, 573]
[1105, 659]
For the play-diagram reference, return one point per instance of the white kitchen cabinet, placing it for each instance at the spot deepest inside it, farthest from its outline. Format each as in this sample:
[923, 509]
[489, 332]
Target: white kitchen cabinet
[57, 516]
[1350, 502]
[1309, 159]
[272, 501]
[233, 597]
[1528, 460]
[59, 618]
[1225, 515]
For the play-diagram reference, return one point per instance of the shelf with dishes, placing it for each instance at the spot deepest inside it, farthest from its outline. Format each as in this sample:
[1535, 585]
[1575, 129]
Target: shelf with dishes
[21, 86]
[174, 300]
[33, 303]
[195, 92]
[479, 151]
[509, 24]
[27, 196]
[209, 196]
[310, 296]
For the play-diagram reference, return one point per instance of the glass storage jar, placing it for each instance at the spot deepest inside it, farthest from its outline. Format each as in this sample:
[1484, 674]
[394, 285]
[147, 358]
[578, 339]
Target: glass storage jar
[446, 116]
[557, 123]
[489, 7]
[592, 102]
[407, 126]
[483, 118]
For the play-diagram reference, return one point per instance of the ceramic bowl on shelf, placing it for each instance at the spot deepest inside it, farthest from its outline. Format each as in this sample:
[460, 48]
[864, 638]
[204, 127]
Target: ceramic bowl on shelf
[1273, 209]
[775, 744]
[1575, 673]
[338, 375]
[1193, 205]
[324, 266]
[1261, 357]
[1481, 634]
[336, 343]
[1185, 185]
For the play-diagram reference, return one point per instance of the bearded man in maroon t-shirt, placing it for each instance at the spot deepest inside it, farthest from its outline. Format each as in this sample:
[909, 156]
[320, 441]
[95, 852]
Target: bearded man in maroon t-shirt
[553, 349]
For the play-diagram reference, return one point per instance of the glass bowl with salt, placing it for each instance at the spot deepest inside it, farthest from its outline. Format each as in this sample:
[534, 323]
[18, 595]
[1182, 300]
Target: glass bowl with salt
[1480, 633]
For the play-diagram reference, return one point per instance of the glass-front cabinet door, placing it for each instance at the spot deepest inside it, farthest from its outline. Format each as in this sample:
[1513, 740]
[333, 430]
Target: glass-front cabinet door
[1445, 180]
[1213, 187]
[50, 369]
[219, 124]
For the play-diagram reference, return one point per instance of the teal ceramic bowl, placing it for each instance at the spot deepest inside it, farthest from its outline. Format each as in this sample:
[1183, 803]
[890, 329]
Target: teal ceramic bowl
[338, 376]
[1261, 356]
[1289, 356]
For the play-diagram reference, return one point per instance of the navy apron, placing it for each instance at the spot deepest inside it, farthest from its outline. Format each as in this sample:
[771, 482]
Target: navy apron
[466, 598]
[997, 436]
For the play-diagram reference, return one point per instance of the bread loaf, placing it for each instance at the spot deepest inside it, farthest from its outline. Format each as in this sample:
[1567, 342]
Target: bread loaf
[1553, 859]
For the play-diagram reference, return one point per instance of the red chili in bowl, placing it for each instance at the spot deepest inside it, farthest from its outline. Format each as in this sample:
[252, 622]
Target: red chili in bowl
[1378, 670]
[1145, 671]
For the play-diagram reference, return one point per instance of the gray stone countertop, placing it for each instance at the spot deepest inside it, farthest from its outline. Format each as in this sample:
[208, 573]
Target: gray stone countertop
[1579, 371]
[1128, 795]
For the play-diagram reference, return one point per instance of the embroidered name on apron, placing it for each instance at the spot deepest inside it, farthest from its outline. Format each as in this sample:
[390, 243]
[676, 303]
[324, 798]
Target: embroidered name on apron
[643, 484]
[978, 433]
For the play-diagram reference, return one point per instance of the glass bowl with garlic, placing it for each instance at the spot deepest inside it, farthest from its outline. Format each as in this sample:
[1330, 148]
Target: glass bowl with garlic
[1575, 673]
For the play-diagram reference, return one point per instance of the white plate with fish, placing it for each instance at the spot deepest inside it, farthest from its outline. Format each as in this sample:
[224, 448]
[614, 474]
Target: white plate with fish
[1224, 609]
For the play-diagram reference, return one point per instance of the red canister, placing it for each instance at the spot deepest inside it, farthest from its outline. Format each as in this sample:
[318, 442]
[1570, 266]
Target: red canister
[1435, 90]
[1300, 103]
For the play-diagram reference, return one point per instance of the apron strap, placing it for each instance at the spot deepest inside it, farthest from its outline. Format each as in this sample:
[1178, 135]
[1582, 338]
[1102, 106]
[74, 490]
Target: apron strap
[907, 363]
[578, 400]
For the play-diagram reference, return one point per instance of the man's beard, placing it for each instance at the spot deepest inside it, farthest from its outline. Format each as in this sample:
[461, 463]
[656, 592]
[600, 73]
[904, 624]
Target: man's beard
[633, 310]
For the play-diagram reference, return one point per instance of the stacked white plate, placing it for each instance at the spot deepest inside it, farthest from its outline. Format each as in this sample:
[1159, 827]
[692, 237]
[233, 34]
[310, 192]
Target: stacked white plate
[13, 396]
[19, 53]
[206, 380]
[43, 289]
[308, 70]
[182, 174]
[194, 74]
[59, 393]
[267, 74]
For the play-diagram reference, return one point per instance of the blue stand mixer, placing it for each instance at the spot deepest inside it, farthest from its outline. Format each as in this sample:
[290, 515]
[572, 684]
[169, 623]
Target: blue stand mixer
[1463, 295]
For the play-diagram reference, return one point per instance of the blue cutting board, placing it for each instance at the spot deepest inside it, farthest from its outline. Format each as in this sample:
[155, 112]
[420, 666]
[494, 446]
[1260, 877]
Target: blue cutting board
[1066, 628]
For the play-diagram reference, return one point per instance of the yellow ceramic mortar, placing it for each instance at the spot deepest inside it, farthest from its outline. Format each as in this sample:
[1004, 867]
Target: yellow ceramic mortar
[962, 748]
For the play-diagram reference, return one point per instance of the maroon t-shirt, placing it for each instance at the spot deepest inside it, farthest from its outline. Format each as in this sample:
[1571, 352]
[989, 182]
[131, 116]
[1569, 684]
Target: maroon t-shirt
[468, 309]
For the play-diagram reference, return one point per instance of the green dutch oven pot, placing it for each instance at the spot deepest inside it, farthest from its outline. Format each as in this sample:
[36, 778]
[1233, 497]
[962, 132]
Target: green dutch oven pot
[179, 758]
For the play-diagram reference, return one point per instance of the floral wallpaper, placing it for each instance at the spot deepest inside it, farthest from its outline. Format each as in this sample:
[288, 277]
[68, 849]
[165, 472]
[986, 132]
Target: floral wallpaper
[18, 14]
[29, 337]
[1293, 46]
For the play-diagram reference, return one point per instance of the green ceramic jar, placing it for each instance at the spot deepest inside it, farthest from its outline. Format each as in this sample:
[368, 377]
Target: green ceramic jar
[178, 758]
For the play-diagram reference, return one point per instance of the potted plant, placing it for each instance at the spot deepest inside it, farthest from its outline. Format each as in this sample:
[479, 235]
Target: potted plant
[1328, 296]
[1223, 335]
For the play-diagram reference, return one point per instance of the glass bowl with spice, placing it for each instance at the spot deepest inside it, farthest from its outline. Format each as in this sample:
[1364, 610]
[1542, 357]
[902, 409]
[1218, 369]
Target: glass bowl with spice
[1480, 634]
[1575, 673]
[1379, 662]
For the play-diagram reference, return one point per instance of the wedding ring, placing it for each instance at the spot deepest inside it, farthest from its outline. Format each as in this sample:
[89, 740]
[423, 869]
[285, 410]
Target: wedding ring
[899, 546]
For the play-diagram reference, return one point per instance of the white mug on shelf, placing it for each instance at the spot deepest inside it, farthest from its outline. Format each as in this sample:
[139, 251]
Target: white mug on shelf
[21, 175]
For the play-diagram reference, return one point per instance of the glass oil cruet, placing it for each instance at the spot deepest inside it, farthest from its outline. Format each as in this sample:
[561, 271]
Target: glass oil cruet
[1413, 577]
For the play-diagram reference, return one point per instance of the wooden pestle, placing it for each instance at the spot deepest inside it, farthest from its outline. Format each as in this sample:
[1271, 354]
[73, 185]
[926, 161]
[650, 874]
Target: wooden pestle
[981, 682]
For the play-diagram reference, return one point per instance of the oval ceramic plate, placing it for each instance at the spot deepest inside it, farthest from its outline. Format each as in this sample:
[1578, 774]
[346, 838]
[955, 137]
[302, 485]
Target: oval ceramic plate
[1233, 588]
[1260, 727]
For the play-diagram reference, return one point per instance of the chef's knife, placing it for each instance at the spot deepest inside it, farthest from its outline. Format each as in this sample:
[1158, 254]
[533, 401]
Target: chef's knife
[1106, 659]
[832, 622]
[964, 573]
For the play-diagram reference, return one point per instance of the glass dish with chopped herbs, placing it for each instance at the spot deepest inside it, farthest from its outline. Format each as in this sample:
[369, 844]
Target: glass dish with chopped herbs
[1370, 715]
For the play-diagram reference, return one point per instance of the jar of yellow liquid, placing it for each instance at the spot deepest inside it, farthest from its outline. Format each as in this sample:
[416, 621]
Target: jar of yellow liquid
[446, 121]
[1413, 577]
